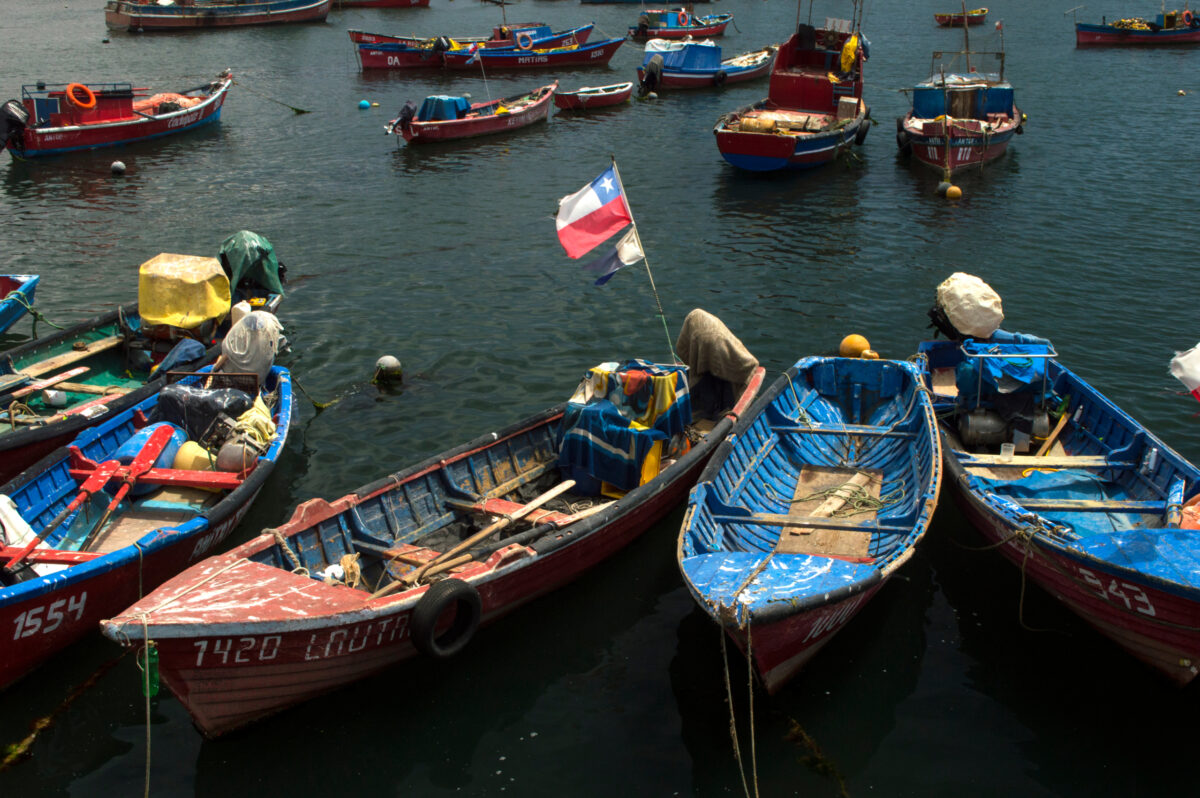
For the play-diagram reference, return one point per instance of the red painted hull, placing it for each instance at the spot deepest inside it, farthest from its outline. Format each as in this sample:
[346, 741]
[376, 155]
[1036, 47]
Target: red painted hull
[956, 20]
[597, 54]
[421, 132]
[1160, 628]
[239, 640]
[147, 17]
[969, 147]
[86, 130]
[695, 31]
[495, 40]
[397, 52]
[1108, 36]
[585, 99]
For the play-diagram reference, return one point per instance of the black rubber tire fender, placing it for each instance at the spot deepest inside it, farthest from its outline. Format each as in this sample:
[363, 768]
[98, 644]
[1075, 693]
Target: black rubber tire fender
[719, 78]
[437, 599]
[863, 130]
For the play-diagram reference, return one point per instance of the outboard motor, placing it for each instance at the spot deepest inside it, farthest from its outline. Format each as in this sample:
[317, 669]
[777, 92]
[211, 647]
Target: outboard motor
[652, 74]
[406, 115]
[13, 119]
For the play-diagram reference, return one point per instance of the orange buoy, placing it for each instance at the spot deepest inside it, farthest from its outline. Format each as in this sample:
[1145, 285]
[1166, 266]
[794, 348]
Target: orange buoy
[853, 345]
[89, 97]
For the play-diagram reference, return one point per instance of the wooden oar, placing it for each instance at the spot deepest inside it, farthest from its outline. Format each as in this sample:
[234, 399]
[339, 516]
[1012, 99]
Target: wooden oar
[140, 465]
[1046, 444]
[416, 576]
[95, 482]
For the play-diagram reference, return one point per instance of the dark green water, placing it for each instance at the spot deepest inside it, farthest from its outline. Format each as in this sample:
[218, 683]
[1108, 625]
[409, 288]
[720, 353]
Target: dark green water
[446, 257]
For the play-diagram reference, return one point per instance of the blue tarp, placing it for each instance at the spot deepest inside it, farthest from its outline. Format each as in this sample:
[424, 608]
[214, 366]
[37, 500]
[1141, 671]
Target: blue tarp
[929, 102]
[440, 106]
[1022, 370]
[615, 418]
[693, 55]
[1068, 484]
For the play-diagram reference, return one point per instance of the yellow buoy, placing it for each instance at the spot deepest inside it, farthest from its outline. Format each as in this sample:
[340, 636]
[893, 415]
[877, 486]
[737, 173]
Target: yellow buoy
[870, 354]
[853, 346]
[954, 192]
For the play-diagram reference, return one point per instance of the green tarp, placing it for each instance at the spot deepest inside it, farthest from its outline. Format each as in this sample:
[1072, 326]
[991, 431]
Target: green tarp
[249, 256]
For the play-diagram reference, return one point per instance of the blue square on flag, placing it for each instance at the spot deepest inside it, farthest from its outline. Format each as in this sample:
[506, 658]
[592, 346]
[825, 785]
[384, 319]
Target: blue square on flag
[592, 214]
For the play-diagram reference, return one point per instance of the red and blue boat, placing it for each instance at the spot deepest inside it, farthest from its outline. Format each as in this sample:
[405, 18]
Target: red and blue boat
[816, 499]
[814, 107]
[116, 514]
[381, 51]
[16, 296]
[527, 55]
[207, 14]
[413, 563]
[672, 64]
[1167, 30]
[442, 118]
[962, 117]
[678, 24]
[1086, 501]
[52, 119]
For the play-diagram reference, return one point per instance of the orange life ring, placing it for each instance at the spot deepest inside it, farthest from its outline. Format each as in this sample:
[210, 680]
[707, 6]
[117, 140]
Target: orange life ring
[1187, 17]
[684, 19]
[86, 104]
[524, 40]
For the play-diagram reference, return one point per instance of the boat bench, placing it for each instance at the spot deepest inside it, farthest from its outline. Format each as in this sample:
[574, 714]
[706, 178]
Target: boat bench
[846, 429]
[814, 521]
[1047, 461]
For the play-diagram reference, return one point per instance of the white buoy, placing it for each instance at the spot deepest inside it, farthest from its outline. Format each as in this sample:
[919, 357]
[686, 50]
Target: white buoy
[388, 369]
[118, 167]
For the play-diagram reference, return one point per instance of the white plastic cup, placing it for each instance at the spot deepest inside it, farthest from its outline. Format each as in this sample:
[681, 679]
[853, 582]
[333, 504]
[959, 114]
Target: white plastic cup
[1006, 452]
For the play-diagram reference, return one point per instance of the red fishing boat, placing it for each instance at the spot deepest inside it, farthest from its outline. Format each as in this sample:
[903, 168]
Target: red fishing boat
[957, 19]
[589, 97]
[348, 588]
[501, 36]
[191, 14]
[1166, 30]
[51, 119]
[380, 51]
[533, 57]
[441, 118]
[678, 24]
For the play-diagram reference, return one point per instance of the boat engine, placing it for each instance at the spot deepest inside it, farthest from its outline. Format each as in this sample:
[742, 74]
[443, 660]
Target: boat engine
[982, 427]
[13, 119]
[652, 74]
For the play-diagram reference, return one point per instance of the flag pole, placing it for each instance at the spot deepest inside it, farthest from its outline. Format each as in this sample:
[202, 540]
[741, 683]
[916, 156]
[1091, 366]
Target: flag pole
[661, 314]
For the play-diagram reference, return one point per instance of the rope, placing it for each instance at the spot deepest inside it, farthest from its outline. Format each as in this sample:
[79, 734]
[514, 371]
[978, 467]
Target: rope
[14, 408]
[297, 566]
[857, 499]
[146, 693]
[750, 691]
[737, 750]
[20, 299]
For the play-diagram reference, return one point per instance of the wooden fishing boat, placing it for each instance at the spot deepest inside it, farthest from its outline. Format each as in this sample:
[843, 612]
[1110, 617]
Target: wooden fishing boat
[1167, 30]
[589, 97]
[967, 97]
[1093, 513]
[696, 64]
[193, 14]
[379, 51]
[132, 527]
[819, 495]
[811, 113]
[442, 118]
[530, 56]
[956, 19]
[347, 588]
[678, 24]
[51, 119]
[16, 296]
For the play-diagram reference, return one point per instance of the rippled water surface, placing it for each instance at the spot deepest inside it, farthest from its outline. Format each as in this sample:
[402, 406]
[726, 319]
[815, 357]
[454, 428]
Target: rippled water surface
[446, 258]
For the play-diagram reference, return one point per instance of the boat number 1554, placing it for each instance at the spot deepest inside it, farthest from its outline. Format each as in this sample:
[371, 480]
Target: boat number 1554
[48, 617]
[1131, 595]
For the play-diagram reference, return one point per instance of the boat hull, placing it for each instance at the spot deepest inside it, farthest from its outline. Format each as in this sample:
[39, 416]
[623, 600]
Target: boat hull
[286, 637]
[45, 615]
[968, 146]
[148, 17]
[770, 152]
[956, 20]
[382, 3]
[1107, 36]
[380, 51]
[19, 290]
[448, 130]
[584, 100]
[591, 54]
[679, 32]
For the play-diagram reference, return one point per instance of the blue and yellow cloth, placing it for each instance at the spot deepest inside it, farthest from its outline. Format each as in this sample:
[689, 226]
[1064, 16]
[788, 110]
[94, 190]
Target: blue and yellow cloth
[618, 421]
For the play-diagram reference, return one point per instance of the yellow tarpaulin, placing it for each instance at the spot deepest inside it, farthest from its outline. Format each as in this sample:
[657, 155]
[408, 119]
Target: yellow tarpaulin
[182, 290]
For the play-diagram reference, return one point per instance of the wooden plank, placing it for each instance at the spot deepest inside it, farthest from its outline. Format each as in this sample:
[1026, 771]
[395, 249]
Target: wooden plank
[848, 429]
[75, 355]
[49, 556]
[776, 519]
[49, 381]
[1091, 505]
[506, 507]
[129, 527]
[944, 382]
[85, 387]
[1047, 461]
[803, 537]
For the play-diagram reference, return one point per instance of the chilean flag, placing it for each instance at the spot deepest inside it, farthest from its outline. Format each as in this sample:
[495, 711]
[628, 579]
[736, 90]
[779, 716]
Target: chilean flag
[592, 214]
[1185, 367]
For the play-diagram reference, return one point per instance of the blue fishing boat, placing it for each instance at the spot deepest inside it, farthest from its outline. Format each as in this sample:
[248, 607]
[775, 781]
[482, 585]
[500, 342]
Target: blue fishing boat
[695, 64]
[815, 500]
[678, 23]
[1085, 500]
[16, 297]
[129, 503]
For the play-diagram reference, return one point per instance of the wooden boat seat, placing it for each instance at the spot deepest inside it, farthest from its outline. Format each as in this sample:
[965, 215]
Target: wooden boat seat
[75, 355]
[1091, 505]
[815, 532]
[1045, 461]
[846, 429]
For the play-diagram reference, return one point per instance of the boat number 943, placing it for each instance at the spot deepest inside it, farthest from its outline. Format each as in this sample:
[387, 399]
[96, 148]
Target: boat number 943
[48, 617]
[1131, 596]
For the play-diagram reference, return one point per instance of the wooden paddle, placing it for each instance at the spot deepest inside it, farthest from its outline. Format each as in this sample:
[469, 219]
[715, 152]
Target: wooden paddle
[95, 482]
[143, 462]
[416, 576]
[1046, 444]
